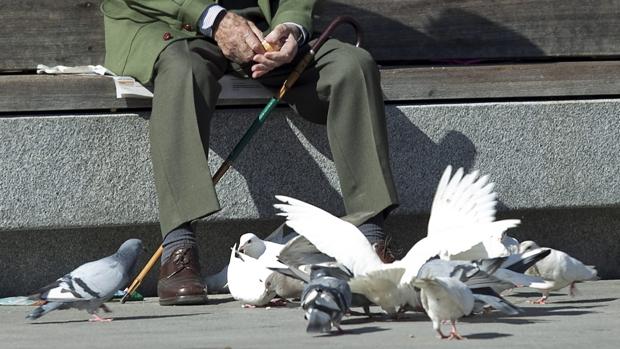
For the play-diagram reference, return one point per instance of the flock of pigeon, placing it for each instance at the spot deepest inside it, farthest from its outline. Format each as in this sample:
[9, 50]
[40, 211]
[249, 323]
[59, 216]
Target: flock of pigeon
[460, 268]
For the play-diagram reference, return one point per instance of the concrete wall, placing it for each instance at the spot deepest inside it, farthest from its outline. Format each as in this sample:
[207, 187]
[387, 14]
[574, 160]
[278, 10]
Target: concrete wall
[84, 182]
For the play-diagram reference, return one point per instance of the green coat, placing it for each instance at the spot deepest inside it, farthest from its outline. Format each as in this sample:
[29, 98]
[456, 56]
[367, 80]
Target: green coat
[136, 31]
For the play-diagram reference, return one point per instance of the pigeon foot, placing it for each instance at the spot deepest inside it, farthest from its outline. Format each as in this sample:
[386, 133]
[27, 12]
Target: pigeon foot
[97, 318]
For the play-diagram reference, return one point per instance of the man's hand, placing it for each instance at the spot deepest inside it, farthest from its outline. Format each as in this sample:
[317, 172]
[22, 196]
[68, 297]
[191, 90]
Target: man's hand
[283, 36]
[238, 38]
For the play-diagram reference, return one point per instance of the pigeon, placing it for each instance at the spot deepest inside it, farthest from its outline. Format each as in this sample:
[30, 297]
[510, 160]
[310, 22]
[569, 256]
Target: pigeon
[91, 284]
[558, 270]
[249, 281]
[451, 289]
[325, 300]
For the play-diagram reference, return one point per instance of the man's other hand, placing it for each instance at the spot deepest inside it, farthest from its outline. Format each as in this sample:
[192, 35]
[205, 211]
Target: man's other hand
[283, 36]
[238, 38]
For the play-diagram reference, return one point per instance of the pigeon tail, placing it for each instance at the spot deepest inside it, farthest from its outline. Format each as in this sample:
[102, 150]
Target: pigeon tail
[497, 303]
[44, 309]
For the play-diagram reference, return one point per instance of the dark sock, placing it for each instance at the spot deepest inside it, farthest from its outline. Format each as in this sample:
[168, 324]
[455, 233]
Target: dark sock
[373, 228]
[183, 236]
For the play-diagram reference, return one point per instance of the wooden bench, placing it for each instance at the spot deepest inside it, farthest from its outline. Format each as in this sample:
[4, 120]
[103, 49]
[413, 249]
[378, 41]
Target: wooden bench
[527, 91]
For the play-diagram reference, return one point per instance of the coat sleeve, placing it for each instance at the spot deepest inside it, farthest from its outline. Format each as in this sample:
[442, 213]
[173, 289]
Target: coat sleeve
[296, 11]
[187, 11]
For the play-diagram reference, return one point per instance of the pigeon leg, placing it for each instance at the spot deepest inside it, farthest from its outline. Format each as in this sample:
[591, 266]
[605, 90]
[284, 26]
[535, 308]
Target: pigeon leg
[453, 333]
[340, 330]
[437, 327]
[105, 308]
[543, 298]
[97, 318]
[572, 290]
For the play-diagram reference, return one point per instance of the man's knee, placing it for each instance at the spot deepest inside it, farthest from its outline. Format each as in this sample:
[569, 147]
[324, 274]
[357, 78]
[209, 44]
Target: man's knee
[174, 60]
[354, 63]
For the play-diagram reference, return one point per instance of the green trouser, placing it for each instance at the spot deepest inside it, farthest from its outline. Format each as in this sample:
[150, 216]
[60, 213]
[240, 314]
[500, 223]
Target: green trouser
[341, 89]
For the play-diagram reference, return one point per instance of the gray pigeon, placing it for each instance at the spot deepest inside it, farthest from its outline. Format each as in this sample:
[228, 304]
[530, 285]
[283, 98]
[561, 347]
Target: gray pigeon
[326, 298]
[91, 284]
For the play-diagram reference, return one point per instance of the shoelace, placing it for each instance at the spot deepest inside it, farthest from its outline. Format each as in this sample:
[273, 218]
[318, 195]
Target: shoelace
[180, 259]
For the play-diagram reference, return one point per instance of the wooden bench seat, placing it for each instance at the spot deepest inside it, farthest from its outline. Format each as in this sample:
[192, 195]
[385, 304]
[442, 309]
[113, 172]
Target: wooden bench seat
[400, 84]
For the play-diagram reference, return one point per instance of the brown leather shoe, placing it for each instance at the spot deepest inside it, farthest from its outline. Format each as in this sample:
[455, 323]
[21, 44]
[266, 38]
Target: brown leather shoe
[179, 279]
[383, 251]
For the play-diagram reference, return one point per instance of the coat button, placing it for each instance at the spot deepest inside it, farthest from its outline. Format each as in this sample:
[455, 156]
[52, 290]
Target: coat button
[187, 27]
[167, 36]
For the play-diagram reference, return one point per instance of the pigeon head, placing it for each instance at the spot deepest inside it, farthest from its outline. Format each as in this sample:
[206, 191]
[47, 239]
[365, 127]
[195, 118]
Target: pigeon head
[252, 245]
[527, 246]
[130, 251]
[318, 321]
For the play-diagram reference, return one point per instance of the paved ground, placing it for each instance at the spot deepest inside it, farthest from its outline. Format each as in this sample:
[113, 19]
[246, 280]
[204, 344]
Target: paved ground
[591, 319]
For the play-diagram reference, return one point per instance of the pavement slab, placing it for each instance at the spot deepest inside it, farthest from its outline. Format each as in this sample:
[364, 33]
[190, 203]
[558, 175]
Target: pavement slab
[590, 319]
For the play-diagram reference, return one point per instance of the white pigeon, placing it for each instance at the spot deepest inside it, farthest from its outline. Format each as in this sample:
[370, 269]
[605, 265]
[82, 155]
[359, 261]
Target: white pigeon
[249, 281]
[265, 250]
[558, 270]
[91, 284]
[452, 289]
[445, 299]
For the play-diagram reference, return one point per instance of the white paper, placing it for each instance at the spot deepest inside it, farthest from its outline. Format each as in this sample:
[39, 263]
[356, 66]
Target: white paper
[128, 87]
[80, 69]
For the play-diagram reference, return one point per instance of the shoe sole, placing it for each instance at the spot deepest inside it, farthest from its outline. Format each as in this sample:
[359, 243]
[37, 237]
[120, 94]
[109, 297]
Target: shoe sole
[184, 300]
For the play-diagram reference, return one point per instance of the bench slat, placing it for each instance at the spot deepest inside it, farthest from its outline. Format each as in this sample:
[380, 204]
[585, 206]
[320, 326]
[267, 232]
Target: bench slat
[564, 79]
[70, 32]
[69, 92]
[50, 32]
[481, 29]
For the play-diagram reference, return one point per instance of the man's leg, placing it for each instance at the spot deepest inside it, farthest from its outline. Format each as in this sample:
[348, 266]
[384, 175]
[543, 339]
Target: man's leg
[186, 91]
[342, 90]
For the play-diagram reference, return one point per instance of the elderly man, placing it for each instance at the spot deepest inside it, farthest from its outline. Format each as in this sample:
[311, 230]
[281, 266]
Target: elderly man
[184, 47]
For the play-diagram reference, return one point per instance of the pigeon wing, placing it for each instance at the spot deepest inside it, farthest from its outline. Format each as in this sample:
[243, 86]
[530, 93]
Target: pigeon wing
[331, 235]
[93, 280]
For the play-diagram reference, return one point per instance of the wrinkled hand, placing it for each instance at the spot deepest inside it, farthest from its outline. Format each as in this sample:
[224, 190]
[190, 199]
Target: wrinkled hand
[238, 38]
[283, 37]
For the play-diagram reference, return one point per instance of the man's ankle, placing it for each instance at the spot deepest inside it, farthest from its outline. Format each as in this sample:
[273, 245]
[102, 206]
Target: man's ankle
[181, 237]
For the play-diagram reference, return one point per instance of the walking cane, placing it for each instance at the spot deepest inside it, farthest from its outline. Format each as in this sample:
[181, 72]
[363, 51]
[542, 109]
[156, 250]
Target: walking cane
[258, 122]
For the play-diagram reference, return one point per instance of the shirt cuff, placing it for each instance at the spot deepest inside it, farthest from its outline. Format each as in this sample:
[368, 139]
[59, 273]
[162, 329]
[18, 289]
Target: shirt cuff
[304, 33]
[208, 18]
